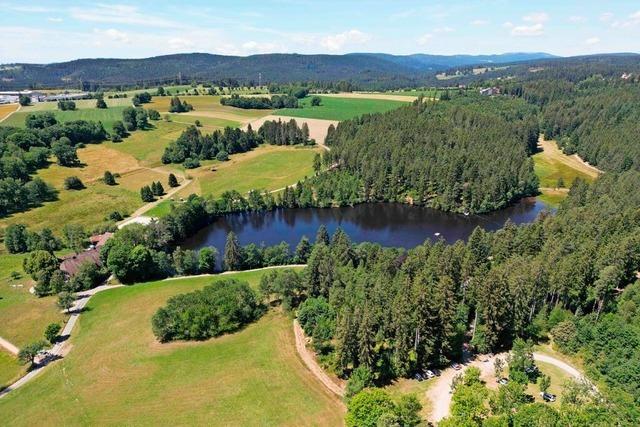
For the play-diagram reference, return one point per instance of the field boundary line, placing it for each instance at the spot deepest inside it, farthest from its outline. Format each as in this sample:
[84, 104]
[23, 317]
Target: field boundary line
[9, 115]
[9, 346]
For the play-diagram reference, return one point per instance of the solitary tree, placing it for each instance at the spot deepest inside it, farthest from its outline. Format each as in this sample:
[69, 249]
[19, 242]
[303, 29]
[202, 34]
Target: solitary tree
[109, 179]
[232, 253]
[316, 101]
[173, 181]
[100, 103]
[29, 352]
[24, 100]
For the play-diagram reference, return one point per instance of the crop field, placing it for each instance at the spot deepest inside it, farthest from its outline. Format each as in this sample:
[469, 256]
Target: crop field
[7, 109]
[207, 106]
[10, 369]
[117, 373]
[340, 108]
[551, 165]
[107, 116]
[268, 167]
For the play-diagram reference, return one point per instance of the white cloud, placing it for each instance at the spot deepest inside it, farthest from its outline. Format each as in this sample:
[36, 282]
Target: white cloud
[536, 17]
[606, 17]
[577, 18]
[120, 14]
[443, 30]
[179, 43]
[528, 30]
[55, 19]
[592, 40]
[28, 9]
[479, 22]
[508, 24]
[113, 34]
[424, 39]
[336, 42]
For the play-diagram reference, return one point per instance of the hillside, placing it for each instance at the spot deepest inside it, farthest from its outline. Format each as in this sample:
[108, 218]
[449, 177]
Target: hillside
[366, 70]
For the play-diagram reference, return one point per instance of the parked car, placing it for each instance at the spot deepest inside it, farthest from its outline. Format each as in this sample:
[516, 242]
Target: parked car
[456, 366]
[503, 381]
[548, 397]
[428, 374]
[418, 377]
[533, 369]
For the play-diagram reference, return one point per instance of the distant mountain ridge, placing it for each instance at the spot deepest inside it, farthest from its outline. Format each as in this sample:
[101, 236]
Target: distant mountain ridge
[364, 69]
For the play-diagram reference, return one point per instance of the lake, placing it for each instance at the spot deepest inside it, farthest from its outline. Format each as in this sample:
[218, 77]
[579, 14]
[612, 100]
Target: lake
[390, 224]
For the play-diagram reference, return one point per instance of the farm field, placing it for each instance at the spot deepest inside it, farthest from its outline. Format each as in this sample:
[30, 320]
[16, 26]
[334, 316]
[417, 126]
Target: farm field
[427, 93]
[551, 164]
[207, 106]
[317, 128]
[404, 97]
[117, 372]
[107, 116]
[7, 109]
[81, 104]
[267, 167]
[333, 108]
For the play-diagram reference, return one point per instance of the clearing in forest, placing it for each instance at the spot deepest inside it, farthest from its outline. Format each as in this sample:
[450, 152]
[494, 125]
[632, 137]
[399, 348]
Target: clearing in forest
[557, 171]
[317, 128]
[117, 372]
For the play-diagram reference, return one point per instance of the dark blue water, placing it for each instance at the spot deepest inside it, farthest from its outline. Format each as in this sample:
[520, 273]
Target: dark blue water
[390, 224]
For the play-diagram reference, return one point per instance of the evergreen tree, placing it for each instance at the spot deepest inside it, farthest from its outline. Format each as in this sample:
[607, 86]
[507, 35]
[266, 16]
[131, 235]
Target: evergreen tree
[146, 194]
[303, 250]
[108, 178]
[233, 258]
[322, 236]
[173, 181]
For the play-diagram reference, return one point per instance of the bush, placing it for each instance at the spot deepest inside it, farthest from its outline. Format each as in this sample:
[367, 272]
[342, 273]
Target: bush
[191, 163]
[108, 178]
[222, 307]
[73, 183]
[222, 156]
[51, 332]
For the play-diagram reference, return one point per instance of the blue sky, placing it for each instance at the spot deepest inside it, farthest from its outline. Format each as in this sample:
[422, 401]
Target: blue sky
[47, 31]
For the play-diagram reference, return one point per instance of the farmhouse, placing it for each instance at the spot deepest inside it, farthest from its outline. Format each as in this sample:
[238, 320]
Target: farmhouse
[8, 97]
[490, 91]
[71, 263]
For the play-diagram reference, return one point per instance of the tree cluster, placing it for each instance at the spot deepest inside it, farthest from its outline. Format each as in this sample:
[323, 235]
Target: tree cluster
[260, 103]
[177, 106]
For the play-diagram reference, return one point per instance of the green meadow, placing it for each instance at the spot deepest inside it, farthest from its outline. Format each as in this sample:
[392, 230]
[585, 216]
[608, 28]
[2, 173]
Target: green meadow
[333, 108]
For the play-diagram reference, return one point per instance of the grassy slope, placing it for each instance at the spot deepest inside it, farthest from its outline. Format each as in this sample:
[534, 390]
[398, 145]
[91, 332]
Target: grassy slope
[340, 108]
[118, 374]
[7, 109]
[267, 167]
[550, 164]
[23, 316]
[10, 369]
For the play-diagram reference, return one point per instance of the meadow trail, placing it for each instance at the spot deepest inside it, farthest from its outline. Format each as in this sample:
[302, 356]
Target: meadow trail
[309, 360]
[9, 346]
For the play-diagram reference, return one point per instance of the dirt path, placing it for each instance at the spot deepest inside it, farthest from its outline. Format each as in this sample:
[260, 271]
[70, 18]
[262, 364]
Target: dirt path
[317, 128]
[9, 347]
[309, 360]
[551, 149]
[439, 393]
[233, 272]
[60, 349]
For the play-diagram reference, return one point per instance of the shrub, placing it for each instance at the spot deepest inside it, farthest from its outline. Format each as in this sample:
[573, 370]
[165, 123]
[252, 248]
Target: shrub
[52, 331]
[73, 183]
[108, 178]
[224, 306]
[191, 163]
[222, 156]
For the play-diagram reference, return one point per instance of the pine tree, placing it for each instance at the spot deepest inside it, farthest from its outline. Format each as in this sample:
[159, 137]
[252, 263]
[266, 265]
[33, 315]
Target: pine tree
[303, 250]
[322, 236]
[146, 194]
[232, 253]
[109, 179]
[157, 188]
[173, 181]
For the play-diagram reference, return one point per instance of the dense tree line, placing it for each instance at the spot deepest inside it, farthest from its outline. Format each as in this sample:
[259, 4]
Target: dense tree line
[466, 155]
[222, 307]
[393, 312]
[24, 151]
[177, 106]
[192, 146]
[260, 103]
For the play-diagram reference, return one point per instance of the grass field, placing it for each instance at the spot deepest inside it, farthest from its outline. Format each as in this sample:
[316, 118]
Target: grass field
[268, 167]
[23, 316]
[333, 108]
[558, 379]
[10, 368]
[551, 164]
[117, 373]
[107, 116]
[208, 106]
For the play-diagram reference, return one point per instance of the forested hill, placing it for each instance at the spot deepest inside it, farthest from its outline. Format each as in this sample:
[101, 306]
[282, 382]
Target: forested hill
[469, 154]
[365, 70]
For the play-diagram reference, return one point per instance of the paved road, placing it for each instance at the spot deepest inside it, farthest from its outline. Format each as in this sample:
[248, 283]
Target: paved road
[60, 349]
